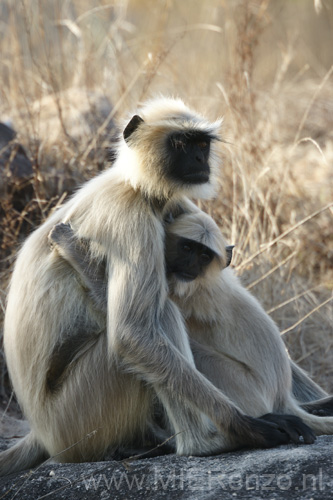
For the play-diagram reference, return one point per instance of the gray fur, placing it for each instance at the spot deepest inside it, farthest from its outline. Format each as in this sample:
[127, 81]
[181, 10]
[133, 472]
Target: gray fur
[305, 389]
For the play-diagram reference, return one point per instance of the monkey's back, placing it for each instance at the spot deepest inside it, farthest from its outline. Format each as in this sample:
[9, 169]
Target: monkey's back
[47, 304]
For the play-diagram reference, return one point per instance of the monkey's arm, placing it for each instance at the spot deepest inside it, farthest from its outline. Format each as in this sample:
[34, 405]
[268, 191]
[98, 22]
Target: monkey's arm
[75, 251]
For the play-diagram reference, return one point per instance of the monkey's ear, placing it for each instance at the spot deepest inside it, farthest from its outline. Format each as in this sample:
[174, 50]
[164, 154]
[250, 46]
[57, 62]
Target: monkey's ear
[133, 124]
[229, 249]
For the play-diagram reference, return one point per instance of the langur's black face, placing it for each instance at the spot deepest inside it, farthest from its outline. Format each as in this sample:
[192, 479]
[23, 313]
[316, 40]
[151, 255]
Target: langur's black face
[188, 155]
[182, 156]
[186, 259]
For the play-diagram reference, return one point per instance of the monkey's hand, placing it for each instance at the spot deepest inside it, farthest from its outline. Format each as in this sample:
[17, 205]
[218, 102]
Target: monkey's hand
[60, 234]
[292, 426]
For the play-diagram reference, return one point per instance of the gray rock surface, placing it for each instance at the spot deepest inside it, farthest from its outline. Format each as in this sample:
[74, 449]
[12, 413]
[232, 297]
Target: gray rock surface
[15, 167]
[293, 472]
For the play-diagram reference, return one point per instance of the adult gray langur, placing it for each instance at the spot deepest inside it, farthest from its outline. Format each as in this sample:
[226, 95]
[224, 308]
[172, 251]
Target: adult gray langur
[166, 153]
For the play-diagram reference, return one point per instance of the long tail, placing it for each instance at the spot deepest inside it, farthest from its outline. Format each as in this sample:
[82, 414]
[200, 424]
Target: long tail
[320, 425]
[304, 388]
[25, 454]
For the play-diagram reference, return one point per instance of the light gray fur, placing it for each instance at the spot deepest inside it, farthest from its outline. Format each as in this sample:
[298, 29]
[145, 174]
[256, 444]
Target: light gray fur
[304, 389]
[105, 397]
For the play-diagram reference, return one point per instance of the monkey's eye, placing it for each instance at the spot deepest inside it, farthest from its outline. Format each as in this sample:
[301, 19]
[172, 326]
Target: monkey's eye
[178, 144]
[205, 258]
[186, 248]
[202, 144]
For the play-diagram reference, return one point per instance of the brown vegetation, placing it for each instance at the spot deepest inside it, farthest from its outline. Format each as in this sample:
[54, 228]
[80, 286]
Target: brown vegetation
[70, 69]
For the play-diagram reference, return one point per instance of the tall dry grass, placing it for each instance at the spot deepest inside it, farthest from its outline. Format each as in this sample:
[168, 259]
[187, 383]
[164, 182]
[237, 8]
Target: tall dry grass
[69, 69]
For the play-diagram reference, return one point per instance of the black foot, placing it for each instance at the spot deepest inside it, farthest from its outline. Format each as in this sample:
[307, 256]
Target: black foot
[292, 426]
[262, 432]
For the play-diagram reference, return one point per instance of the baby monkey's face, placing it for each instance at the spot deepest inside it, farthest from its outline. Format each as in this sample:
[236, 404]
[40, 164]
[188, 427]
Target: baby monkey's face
[186, 259]
[191, 265]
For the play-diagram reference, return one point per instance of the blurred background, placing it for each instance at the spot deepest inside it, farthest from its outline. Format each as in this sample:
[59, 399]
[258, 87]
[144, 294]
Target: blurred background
[71, 71]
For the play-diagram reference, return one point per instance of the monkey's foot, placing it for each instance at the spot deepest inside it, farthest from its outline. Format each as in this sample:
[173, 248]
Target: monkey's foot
[293, 426]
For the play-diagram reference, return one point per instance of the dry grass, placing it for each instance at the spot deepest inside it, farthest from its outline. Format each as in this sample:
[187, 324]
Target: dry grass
[70, 69]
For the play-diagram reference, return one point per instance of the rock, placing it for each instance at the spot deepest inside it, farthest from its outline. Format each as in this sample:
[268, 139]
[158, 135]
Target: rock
[15, 167]
[293, 472]
[11, 427]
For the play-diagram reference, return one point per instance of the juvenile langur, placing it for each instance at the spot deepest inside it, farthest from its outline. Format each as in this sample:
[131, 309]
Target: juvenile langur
[193, 237]
[165, 154]
[235, 343]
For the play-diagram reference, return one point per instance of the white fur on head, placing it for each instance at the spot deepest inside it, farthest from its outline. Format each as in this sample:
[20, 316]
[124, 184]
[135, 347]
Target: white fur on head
[140, 160]
[201, 228]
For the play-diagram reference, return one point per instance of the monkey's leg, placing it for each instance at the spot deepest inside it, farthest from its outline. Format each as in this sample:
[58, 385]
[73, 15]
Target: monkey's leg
[245, 387]
[239, 381]
[304, 389]
[64, 363]
[97, 408]
[192, 403]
